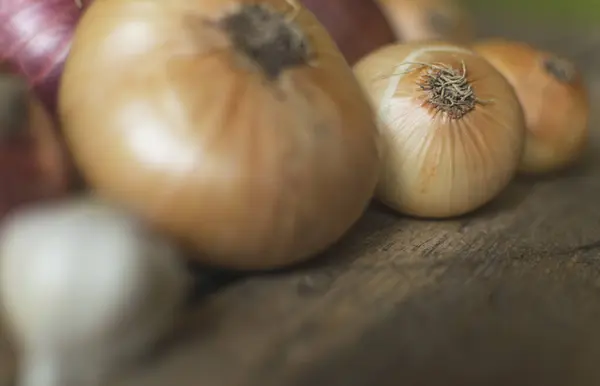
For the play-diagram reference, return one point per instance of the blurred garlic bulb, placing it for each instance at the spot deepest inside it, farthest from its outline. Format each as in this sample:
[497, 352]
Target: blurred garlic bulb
[84, 289]
[452, 128]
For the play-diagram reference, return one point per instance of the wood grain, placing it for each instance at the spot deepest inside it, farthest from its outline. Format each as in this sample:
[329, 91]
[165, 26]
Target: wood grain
[509, 295]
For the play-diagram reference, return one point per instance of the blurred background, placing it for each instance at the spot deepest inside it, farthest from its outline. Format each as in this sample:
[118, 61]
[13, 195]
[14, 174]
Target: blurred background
[570, 11]
[538, 20]
[567, 27]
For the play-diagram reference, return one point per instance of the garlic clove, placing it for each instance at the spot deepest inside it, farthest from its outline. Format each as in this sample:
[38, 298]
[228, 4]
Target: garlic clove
[85, 288]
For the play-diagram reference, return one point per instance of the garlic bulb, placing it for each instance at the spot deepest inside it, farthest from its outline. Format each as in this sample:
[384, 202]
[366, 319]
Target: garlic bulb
[84, 288]
[452, 128]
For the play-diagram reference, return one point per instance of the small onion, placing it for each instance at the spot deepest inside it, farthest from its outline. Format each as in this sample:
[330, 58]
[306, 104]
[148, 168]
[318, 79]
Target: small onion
[420, 20]
[236, 127]
[34, 164]
[554, 99]
[85, 288]
[452, 127]
[358, 27]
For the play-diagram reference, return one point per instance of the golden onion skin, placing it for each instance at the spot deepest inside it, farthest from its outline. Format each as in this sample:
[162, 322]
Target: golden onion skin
[435, 166]
[554, 98]
[165, 117]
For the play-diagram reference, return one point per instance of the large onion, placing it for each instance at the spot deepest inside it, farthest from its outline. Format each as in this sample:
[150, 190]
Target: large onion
[236, 127]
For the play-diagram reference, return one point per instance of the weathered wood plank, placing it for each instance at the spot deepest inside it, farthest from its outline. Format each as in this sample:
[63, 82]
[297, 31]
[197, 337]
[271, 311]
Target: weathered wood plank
[506, 296]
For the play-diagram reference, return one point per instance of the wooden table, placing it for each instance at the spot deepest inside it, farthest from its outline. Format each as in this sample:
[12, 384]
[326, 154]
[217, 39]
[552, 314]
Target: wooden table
[507, 296]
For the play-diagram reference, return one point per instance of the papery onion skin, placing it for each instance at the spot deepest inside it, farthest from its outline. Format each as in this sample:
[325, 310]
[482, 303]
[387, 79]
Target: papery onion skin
[251, 171]
[428, 20]
[556, 111]
[358, 26]
[434, 166]
[33, 161]
[35, 37]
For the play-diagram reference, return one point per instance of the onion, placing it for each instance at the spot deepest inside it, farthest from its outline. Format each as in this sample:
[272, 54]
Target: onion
[420, 20]
[452, 127]
[34, 164]
[85, 288]
[358, 26]
[236, 127]
[35, 37]
[554, 99]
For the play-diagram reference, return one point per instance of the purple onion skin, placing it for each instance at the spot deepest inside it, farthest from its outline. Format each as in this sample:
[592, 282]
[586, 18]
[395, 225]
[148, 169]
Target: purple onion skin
[35, 39]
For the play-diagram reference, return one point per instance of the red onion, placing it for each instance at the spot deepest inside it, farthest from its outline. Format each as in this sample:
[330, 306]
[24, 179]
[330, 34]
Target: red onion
[35, 38]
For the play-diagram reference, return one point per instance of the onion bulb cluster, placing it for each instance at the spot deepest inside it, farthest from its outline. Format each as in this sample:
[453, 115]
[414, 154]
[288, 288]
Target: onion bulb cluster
[235, 127]
[554, 99]
[427, 20]
[452, 127]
